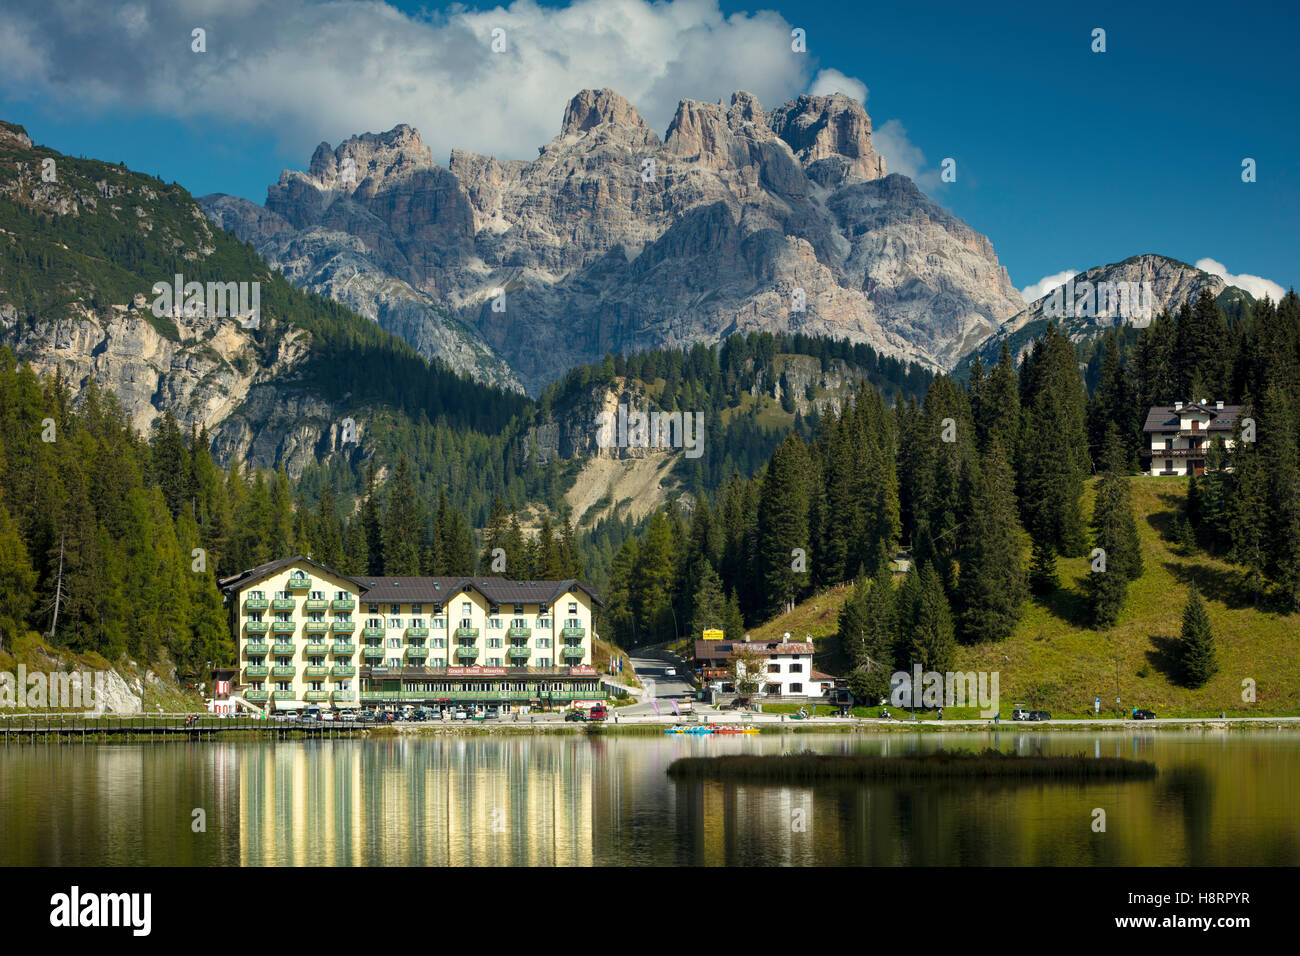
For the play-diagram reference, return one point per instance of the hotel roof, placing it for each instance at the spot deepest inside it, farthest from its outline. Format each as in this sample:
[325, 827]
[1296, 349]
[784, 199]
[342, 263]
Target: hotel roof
[1166, 418]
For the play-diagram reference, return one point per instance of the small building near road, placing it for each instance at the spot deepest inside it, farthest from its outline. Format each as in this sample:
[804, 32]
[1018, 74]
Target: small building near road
[789, 671]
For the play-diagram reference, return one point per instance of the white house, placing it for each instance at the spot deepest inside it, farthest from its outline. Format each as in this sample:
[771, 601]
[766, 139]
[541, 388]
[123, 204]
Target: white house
[1179, 435]
[787, 664]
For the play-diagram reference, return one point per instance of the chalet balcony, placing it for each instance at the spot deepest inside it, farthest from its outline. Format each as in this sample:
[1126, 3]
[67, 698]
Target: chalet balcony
[343, 670]
[344, 604]
[255, 604]
[343, 627]
[343, 650]
[316, 671]
[257, 627]
[283, 627]
[316, 627]
[467, 633]
[257, 649]
[519, 652]
[313, 604]
[467, 653]
[282, 649]
[1178, 452]
[417, 632]
[572, 653]
[314, 695]
[282, 694]
[256, 696]
[372, 632]
[520, 633]
[373, 653]
[417, 653]
[255, 671]
[283, 604]
[298, 584]
[576, 633]
[283, 670]
[345, 696]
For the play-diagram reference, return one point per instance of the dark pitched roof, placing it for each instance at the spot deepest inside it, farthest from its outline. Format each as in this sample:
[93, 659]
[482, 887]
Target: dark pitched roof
[707, 650]
[394, 590]
[1165, 418]
[271, 567]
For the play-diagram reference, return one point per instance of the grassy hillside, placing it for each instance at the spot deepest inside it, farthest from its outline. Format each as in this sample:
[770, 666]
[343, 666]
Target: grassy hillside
[1056, 662]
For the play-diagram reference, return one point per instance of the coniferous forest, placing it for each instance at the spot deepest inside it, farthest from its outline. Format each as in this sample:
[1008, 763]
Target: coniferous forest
[980, 484]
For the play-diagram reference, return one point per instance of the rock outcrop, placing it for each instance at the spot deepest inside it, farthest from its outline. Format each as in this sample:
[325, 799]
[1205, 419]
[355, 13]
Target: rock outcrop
[612, 239]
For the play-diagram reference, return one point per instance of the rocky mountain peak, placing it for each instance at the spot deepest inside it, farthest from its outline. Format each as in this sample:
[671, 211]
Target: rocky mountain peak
[592, 108]
[13, 133]
[831, 137]
[368, 154]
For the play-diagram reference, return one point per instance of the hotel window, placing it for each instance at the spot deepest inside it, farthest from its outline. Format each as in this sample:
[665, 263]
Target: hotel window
[774, 668]
[257, 595]
[316, 595]
[494, 662]
[519, 609]
[395, 622]
[519, 622]
[573, 607]
[284, 594]
[494, 623]
[542, 622]
[437, 607]
[316, 661]
[796, 668]
[437, 642]
[394, 642]
[345, 685]
[282, 616]
[282, 685]
[317, 685]
[343, 616]
[372, 609]
[374, 622]
[341, 595]
[542, 609]
[543, 642]
[543, 662]
[438, 661]
[255, 685]
[494, 609]
[466, 607]
[394, 609]
[394, 662]
[573, 622]
[283, 661]
[494, 642]
[466, 622]
[417, 608]
[796, 688]
[255, 617]
[316, 617]
[439, 623]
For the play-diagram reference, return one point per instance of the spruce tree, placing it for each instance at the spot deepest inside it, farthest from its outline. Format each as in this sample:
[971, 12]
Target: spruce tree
[1196, 654]
[403, 534]
[932, 643]
[991, 588]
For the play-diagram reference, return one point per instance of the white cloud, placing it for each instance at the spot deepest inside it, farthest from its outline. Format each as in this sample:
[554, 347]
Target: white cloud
[1255, 285]
[307, 71]
[1032, 293]
[890, 140]
[833, 81]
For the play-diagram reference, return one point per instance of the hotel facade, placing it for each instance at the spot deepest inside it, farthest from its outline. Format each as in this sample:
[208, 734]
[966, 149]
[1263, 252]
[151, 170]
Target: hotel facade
[308, 635]
[1179, 435]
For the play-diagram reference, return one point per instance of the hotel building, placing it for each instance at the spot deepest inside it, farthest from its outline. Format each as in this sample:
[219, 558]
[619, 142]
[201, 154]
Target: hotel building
[1179, 435]
[307, 634]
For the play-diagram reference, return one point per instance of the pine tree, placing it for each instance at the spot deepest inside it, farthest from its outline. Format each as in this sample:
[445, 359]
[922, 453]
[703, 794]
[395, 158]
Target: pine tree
[932, 643]
[1115, 534]
[991, 587]
[371, 524]
[1196, 654]
[403, 532]
[783, 525]
[709, 602]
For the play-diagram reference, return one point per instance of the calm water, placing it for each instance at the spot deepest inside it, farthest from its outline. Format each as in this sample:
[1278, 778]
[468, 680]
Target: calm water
[577, 801]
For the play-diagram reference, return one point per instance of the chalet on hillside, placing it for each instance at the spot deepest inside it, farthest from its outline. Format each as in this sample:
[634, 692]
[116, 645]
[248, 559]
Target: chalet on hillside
[1179, 435]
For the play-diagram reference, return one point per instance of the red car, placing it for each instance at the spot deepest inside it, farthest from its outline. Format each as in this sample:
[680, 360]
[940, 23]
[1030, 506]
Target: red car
[598, 712]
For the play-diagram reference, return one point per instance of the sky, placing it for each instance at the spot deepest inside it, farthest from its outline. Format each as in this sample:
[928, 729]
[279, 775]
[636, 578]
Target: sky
[1065, 156]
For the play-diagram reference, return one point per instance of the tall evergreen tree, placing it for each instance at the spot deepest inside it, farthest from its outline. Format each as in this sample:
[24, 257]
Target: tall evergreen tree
[991, 588]
[1196, 653]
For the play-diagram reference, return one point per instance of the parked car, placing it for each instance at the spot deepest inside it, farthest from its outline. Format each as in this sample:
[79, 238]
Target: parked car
[329, 715]
[1144, 715]
[366, 715]
[348, 715]
[577, 715]
[598, 712]
[492, 712]
[460, 713]
[1039, 715]
[670, 671]
[1020, 714]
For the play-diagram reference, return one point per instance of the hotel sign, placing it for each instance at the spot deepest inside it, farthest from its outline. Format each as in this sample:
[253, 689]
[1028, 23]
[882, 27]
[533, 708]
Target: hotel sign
[476, 670]
[582, 671]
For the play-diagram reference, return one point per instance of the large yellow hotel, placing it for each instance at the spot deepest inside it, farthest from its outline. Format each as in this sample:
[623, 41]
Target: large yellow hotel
[308, 635]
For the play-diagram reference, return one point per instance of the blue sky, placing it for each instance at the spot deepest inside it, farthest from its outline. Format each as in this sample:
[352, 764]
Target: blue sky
[1066, 158]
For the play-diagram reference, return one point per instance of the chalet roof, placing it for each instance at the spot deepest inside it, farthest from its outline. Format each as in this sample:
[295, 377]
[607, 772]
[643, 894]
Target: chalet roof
[712, 650]
[404, 590]
[236, 581]
[1166, 418]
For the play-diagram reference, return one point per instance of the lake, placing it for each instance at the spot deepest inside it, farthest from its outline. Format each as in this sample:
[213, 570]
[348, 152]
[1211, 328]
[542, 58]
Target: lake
[1221, 798]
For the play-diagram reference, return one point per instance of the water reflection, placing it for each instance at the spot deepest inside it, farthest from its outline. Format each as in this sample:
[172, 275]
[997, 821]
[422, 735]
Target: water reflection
[581, 801]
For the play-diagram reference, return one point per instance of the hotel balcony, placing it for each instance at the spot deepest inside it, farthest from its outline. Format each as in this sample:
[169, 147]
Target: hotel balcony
[282, 695]
[467, 633]
[254, 671]
[256, 696]
[520, 633]
[283, 670]
[316, 695]
[343, 604]
[343, 650]
[572, 653]
[521, 652]
[283, 604]
[343, 670]
[316, 627]
[372, 632]
[257, 649]
[298, 584]
[417, 653]
[417, 632]
[315, 670]
[283, 627]
[257, 627]
[282, 648]
[575, 633]
[373, 653]
[343, 627]
[345, 696]
[1178, 452]
[467, 653]
[255, 604]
